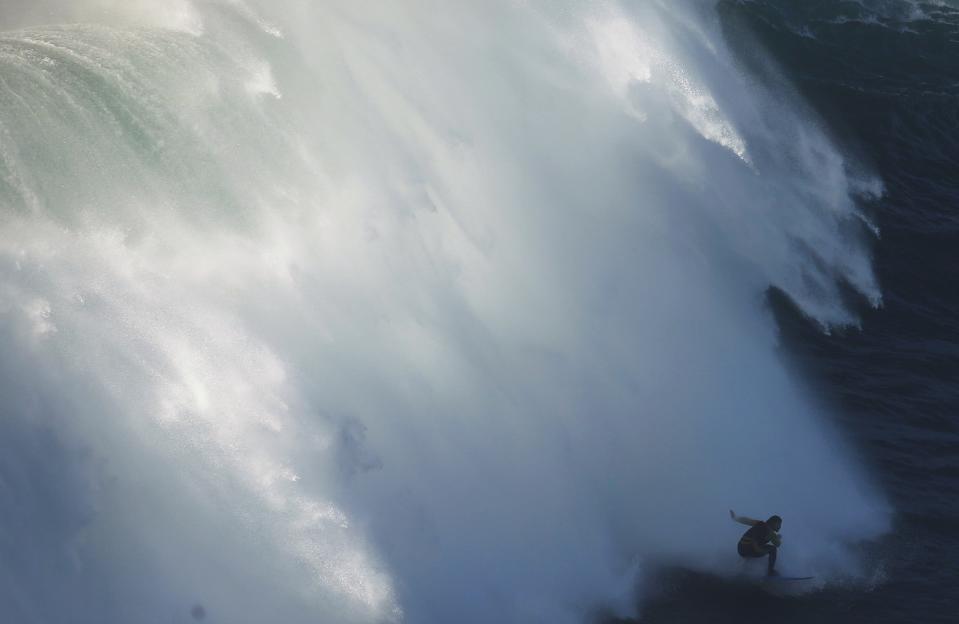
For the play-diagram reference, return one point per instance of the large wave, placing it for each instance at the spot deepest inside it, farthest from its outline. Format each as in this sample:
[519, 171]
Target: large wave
[422, 311]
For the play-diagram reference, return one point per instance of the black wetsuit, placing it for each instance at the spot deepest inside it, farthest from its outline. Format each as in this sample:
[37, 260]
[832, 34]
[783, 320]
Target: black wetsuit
[755, 543]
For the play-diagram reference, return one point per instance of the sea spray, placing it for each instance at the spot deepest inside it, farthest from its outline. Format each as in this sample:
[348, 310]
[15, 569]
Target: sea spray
[432, 312]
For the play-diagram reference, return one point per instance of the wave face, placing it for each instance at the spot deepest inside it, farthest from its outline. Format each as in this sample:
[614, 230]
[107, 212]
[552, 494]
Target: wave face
[441, 312]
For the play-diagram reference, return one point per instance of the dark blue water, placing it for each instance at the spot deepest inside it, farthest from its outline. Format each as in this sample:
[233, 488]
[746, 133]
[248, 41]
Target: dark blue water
[885, 79]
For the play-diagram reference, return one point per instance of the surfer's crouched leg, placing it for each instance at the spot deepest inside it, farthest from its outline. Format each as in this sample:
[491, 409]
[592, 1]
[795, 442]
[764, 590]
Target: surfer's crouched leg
[772, 558]
[754, 551]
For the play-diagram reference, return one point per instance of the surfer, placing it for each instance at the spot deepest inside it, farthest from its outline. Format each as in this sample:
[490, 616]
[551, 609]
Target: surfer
[760, 540]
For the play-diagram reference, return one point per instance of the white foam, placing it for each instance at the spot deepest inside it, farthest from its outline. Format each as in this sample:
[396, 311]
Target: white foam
[468, 326]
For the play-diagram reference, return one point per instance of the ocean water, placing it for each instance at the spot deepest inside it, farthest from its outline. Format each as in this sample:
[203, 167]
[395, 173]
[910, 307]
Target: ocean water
[476, 311]
[883, 77]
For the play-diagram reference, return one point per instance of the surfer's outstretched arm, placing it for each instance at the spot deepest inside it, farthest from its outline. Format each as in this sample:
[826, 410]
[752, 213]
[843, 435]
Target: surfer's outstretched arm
[742, 519]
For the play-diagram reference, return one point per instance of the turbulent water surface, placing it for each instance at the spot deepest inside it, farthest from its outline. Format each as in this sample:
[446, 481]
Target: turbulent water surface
[477, 312]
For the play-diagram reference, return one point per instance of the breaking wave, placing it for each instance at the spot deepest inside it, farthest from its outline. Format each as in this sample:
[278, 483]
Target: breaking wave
[434, 312]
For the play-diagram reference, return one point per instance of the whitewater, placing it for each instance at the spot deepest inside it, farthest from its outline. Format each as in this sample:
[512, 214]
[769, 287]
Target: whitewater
[409, 312]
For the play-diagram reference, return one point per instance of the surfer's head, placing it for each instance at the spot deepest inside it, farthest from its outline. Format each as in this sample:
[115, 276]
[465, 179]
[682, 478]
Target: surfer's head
[775, 523]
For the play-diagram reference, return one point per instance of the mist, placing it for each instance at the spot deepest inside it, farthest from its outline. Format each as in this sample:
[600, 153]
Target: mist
[427, 313]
